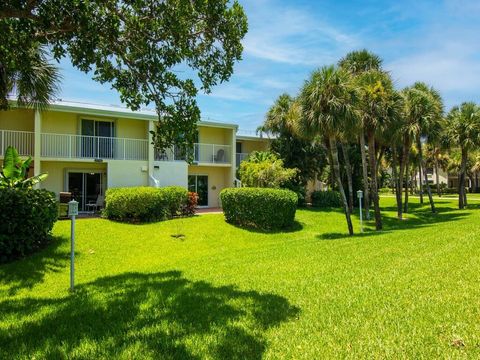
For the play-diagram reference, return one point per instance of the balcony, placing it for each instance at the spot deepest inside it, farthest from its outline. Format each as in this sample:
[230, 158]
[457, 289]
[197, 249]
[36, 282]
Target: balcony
[75, 146]
[240, 157]
[202, 154]
[93, 147]
[22, 140]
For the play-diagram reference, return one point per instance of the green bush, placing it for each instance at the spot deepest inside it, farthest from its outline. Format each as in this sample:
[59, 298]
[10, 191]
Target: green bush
[144, 204]
[259, 207]
[26, 220]
[326, 199]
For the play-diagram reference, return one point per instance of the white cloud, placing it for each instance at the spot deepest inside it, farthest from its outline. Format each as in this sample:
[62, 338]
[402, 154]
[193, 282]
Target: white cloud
[292, 35]
[447, 72]
[236, 92]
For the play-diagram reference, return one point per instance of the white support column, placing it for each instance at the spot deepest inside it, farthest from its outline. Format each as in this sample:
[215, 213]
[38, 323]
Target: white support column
[233, 150]
[151, 152]
[37, 152]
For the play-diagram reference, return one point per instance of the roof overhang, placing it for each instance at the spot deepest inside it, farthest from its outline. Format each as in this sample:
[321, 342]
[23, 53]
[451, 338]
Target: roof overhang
[116, 111]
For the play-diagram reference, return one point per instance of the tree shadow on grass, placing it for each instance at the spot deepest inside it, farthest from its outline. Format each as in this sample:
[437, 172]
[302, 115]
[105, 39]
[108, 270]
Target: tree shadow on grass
[26, 273]
[418, 217]
[135, 315]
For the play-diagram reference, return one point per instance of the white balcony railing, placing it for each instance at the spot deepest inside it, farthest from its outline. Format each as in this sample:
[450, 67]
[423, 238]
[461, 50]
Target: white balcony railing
[212, 153]
[94, 147]
[21, 140]
[240, 157]
[202, 153]
[64, 146]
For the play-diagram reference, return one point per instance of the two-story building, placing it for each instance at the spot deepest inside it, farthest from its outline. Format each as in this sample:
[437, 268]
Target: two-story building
[86, 149]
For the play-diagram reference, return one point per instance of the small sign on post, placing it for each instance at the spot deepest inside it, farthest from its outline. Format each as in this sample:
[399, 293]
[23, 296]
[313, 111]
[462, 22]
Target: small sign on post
[72, 212]
[360, 196]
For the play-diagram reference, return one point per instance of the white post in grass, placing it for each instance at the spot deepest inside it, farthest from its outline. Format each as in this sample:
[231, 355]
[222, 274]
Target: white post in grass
[360, 196]
[72, 212]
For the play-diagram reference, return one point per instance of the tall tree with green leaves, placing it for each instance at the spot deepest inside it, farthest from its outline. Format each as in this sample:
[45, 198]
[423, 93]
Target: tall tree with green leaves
[34, 84]
[264, 169]
[356, 63]
[151, 52]
[376, 97]
[463, 131]
[305, 154]
[328, 103]
[425, 111]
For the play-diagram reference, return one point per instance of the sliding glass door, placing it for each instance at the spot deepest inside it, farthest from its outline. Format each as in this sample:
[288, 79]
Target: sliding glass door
[97, 140]
[199, 184]
[85, 187]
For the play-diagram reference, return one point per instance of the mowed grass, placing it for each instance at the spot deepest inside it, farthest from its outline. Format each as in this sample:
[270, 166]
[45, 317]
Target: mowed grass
[220, 292]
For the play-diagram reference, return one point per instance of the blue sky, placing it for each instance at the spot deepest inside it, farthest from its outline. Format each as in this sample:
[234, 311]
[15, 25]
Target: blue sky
[432, 41]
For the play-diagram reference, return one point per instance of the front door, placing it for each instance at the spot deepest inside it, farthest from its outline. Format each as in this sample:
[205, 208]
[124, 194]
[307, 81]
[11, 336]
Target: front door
[85, 187]
[199, 184]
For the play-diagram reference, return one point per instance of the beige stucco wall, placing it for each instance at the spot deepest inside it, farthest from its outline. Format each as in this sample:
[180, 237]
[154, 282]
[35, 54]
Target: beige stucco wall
[70, 123]
[171, 173]
[213, 135]
[60, 123]
[133, 129]
[218, 179]
[126, 173]
[253, 145]
[57, 170]
[17, 119]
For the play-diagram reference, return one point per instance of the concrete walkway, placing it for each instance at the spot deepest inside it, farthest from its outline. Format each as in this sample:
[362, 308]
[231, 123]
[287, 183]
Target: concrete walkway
[203, 211]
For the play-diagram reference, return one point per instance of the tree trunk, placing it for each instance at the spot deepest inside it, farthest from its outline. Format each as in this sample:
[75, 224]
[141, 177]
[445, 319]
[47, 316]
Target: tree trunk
[348, 170]
[413, 181]
[461, 183]
[330, 161]
[403, 172]
[420, 182]
[437, 178]
[366, 185]
[425, 175]
[408, 189]
[374, 187]
[379, 161]
[396, 181]
[336, 170]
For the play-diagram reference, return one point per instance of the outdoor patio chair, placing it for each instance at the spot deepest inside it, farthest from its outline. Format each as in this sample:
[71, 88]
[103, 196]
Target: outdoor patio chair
[220, 157]
[95, 206]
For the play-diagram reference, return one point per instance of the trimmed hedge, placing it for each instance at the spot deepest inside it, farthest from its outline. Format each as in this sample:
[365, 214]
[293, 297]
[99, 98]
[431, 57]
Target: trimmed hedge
[259, 207]
[145, 204]
[27, 217]
[326, 199]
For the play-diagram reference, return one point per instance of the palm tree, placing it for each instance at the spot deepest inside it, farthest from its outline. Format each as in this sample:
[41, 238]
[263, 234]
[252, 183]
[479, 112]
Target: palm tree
[356, 63]
[423, 109]
[463, 130]
[328, 99]
[32, 86]
[429, 118]
[376, 97]
[390, 139]
[283, 116]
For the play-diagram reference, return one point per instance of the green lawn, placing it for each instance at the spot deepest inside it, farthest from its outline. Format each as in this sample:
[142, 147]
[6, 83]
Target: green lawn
[411, 291]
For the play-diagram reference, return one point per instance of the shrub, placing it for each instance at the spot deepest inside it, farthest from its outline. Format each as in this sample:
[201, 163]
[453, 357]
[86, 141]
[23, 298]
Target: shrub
[191, 206]
[26, 220]
[324, 199]
[176, 199]
[144, 204]
[259, 207]
[264, 169]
